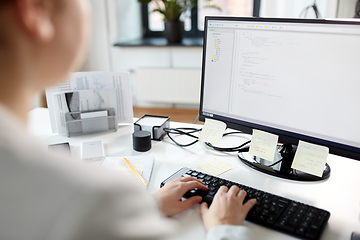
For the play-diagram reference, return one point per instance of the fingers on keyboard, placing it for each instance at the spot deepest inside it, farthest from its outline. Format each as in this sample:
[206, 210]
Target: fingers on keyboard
[273, 211]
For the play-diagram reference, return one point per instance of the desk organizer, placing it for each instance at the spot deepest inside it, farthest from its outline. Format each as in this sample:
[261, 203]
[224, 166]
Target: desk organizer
[80, 123]
[154, 124]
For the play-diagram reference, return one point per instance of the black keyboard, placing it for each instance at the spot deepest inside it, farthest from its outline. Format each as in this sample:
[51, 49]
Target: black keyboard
[272, 211]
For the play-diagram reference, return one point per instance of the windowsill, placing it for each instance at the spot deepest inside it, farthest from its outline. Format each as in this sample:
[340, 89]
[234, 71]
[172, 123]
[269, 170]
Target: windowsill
[161, 42]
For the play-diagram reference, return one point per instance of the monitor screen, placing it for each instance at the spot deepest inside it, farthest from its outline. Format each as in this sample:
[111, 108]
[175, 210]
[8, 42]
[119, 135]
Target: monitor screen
[295, 78]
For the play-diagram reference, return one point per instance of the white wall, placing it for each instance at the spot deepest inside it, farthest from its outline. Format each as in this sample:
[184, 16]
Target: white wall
[346, 8]
[98, 58]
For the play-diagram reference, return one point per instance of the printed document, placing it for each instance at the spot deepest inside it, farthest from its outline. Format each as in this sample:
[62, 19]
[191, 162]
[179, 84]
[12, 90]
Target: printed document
[81, 81]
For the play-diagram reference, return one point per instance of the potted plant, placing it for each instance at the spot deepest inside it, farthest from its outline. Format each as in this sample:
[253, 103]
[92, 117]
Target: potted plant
[172, 10]
[357, 9]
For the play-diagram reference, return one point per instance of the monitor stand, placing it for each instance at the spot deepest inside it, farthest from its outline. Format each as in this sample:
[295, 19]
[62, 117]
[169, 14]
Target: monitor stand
[282, 169]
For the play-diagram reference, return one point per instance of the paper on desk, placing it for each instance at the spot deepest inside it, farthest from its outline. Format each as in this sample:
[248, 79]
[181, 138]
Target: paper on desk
[215, 167]
[95, 80]
[148, 122]
[115, 163]
[310, 158]
[60, 87]
[151, 121]
[125, 170]
[212, 131]
[263, 145]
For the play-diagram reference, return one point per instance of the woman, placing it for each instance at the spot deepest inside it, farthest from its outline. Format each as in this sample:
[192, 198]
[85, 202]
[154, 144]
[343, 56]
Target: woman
[44, 196]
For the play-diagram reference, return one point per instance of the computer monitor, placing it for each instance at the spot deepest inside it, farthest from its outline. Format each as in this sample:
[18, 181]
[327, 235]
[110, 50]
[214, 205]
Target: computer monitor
[296, 78]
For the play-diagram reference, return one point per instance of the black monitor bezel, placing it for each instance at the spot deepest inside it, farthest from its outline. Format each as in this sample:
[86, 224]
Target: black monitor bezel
[284, 136]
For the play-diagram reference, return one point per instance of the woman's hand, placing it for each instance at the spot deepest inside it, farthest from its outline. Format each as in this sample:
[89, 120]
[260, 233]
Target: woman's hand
[169, 196]
[226, 208]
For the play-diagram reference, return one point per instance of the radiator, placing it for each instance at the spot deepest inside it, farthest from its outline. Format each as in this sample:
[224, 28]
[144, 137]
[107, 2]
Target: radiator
[168, 85]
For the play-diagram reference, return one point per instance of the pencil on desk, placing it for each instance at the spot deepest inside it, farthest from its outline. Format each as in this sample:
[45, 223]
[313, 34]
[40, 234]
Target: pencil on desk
[135, 172]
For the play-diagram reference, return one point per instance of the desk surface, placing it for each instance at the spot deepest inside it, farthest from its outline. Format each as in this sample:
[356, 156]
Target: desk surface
[340, 194]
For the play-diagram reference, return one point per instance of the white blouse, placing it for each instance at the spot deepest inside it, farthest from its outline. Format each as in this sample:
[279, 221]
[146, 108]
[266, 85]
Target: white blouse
[46, 196]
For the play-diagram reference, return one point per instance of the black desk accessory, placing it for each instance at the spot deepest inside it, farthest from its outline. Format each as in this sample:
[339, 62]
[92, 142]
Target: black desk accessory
[141, 141]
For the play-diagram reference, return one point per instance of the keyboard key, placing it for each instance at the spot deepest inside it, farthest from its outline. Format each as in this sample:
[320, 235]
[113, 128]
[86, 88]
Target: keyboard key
[211, 193]
[272, 208]
[286, 226]
[207, 178]
[271, 220]
[283, 200]
[300, 231]
[318, 220]
[312, 232]
[262, 218]
[186, 175]
[214, 180]
[201, 175]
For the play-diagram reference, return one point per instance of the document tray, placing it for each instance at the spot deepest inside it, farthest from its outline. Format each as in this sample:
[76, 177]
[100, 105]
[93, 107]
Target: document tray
[86, 122]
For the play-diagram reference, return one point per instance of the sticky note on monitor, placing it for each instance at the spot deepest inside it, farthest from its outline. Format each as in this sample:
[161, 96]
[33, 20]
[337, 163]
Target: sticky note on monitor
[215, 167]
[212, 131]
[263, 145]
[310, 158]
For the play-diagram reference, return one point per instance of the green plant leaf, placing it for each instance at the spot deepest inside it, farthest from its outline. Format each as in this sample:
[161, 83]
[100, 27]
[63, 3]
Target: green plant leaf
[172, 9]
[160, 11]
[213, 6]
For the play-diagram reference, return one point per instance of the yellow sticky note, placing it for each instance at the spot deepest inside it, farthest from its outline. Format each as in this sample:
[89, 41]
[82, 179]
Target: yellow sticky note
[215, 167]
[126, 170]
[212, 131]
[263, 145]
[310, 158]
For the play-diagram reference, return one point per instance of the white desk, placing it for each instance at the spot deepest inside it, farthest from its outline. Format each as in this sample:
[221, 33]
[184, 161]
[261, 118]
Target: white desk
[340, 194]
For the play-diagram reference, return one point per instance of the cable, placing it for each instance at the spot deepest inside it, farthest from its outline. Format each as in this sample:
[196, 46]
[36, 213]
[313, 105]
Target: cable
[308, 8]
[182, 131]
[281, 150]
[231, 149]
[189, 131]
[271, 165]
[197, 118]
[275, 163]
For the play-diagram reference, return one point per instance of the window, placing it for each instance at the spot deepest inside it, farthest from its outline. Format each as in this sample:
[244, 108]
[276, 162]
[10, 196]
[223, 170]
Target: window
[153, 23]
[243, 8]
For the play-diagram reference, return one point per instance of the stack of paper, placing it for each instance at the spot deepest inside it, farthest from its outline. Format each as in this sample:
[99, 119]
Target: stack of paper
[142, 164]
[88, 91]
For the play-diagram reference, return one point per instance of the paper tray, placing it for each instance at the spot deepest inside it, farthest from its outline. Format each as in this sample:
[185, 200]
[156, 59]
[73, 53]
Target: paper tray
[80, 123]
